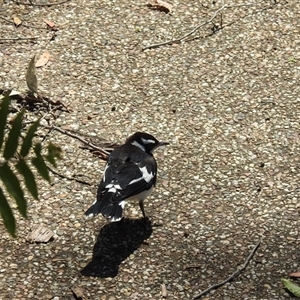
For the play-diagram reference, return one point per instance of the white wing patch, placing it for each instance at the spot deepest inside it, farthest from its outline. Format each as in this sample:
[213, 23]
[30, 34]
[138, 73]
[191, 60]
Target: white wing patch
[112, 188]
[135, 180]
[145, 175]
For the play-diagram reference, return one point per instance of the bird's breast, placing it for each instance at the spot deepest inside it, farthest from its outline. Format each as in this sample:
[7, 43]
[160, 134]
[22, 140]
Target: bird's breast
[141, 196]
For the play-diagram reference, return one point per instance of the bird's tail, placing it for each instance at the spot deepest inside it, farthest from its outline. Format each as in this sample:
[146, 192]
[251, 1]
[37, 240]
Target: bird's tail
[111, 211]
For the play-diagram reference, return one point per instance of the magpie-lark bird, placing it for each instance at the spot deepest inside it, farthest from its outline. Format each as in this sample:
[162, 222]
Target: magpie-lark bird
[130, 173]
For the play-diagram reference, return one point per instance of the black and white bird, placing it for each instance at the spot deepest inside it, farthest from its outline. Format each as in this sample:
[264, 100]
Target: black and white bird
[130, 173]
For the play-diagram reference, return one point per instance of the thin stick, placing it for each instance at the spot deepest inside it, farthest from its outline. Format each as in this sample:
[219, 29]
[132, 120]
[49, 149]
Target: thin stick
[24, 25]
[41, 4]
[178, 40]
[50, 130]
[104, 154]
[94, 147]
[19, 38]
[235, 274]
[68, 178]
[192, 267]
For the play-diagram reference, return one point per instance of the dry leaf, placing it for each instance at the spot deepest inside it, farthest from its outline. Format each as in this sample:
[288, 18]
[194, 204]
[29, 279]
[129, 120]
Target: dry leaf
[160, 5]
[44, 58]
[17, 21]
[14, 93]
[296, 274]
[164, 292]
[78, 292]
[50, 24]
[31, 78]
[40, 234]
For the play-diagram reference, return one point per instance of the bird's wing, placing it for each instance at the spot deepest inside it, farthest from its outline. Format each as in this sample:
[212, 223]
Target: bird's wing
[126, 179]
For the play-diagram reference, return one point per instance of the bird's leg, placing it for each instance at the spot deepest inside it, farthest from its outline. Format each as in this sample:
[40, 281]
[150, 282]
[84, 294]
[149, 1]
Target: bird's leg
[141, 203]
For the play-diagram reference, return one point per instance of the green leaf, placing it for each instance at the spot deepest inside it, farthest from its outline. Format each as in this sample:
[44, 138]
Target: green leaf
[7, 215]
[28, 177]
[3, 117]
[39, 162]
[27, 143]
[53, 153]
[31, 78]
[292, 287]
[13, 187]
[13, 137]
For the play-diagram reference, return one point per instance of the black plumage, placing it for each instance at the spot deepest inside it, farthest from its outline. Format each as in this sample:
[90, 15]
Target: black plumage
[130, 173]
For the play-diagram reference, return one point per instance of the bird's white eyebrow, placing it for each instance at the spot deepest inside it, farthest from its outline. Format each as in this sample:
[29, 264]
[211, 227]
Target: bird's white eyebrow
[148, 141]
[135, 143]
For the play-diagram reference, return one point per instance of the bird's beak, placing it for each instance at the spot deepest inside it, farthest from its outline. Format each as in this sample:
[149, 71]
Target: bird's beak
[162, 144]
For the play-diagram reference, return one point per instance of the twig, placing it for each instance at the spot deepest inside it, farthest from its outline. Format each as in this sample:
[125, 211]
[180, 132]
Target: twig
[66, 177]
[22, 24]
[217, 28]
[41, 4]
[94, 147]
[47, 134]
[99, 150]
[235, 274]
[192, 267]
[31, 99]
[180, 39]
[19, 38]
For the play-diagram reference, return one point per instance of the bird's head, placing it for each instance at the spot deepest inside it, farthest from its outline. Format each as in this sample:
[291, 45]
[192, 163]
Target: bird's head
[145, 142]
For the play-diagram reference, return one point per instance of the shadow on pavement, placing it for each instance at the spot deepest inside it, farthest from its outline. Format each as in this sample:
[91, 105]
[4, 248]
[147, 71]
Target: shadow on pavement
[115, 242]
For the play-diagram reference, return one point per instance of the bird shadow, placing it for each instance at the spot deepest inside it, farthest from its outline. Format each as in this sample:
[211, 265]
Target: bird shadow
[115, 242]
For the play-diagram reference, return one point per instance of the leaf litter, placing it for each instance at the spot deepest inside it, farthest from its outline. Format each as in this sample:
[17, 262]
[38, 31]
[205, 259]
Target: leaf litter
[43, 60]
[160, 5]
